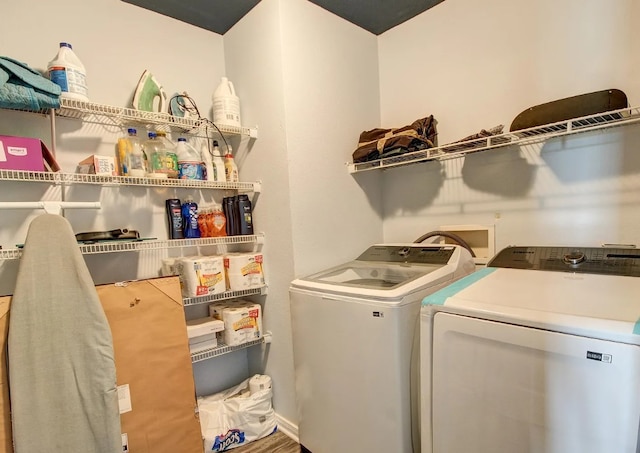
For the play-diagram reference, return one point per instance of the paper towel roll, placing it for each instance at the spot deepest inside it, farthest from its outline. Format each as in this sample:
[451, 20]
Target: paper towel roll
[259, 382]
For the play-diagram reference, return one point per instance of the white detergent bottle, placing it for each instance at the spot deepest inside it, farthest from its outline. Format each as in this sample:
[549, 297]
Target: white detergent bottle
[226, 105]
[218, 164]
[67, 71]
[209, 172]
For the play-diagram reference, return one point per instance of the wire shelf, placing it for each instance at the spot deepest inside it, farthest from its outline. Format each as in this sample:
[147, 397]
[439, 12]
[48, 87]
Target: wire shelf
[71, 108]
[459, 149]
[222, 349]
[147, 245]
[187, 301]
[76, 178]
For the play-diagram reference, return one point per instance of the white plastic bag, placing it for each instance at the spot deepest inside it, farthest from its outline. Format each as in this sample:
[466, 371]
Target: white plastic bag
[235, 417]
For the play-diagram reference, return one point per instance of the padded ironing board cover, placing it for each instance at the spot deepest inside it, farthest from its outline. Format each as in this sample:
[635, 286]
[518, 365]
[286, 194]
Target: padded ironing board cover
[62, 375]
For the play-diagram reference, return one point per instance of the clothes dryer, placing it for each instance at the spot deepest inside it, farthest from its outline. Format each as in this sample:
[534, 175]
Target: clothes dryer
[354, 329]
[538, 352]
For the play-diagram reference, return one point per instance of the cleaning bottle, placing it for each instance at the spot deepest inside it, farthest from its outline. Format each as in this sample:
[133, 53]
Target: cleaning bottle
[190, 219]
[203, 222]
[171, 156]
[230, 167]
[135, 161]
[218, 163]
[217, 222]
[209, 171]
[156, 155]
[226, 105]
[190, 165]
[67, 71]
[123, 150]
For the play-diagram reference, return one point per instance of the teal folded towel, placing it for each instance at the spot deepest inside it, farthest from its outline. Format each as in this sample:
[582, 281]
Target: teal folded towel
[24, 88]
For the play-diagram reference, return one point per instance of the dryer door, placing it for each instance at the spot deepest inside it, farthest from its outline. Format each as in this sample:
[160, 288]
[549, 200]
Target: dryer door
[506, 388]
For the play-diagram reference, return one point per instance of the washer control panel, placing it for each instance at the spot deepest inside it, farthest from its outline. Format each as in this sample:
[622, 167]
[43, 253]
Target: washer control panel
[587, 260]
[409, 254]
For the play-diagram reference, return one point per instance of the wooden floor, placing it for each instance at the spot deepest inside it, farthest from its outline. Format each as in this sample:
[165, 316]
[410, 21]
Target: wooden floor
[275, 443]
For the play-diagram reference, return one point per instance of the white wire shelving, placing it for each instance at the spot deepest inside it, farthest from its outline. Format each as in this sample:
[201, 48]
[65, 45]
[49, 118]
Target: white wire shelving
[224, 349]
[147, 245]
[259, 291]
[459, 149]
[90, 111]
[76, 178]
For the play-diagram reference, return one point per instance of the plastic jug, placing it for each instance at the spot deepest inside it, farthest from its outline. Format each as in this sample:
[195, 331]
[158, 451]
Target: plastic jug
[67, 71]
[190, 165]
[226, 105]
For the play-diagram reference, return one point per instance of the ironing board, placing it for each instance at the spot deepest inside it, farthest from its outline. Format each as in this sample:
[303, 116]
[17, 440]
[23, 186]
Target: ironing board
[62, 376]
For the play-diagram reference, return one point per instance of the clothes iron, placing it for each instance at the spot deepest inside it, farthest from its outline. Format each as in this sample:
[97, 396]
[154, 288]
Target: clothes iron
[149, 95]
[183, 106]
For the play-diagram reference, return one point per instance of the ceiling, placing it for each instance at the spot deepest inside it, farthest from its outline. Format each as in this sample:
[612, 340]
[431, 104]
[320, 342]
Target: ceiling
[376, 16]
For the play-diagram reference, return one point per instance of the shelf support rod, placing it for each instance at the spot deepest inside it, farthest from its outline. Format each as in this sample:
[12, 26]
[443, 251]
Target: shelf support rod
[50, 207]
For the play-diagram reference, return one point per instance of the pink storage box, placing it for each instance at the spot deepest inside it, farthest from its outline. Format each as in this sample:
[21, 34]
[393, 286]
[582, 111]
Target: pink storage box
[23, 153]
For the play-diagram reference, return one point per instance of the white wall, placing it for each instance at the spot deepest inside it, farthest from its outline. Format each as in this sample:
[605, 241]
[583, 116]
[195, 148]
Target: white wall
[309, 80]
[476, 65]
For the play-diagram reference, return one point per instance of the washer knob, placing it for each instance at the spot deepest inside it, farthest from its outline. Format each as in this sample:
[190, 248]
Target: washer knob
[404, 252]
[574, 258]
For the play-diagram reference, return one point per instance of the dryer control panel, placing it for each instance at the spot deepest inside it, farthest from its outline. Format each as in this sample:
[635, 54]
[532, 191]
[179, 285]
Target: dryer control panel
[587, 260]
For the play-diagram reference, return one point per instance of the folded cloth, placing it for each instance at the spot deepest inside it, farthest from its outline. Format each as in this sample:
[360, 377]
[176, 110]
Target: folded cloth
[24, 88]
[461, 145]
[373, 144]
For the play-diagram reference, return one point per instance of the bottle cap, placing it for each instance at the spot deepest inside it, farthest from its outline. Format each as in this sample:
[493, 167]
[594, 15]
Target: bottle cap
[132, 130]
[152, 135]
[66, 44]
[215, 143]
[182, 139]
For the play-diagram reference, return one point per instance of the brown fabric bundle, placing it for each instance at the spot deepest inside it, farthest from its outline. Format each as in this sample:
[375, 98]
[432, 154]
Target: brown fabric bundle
[378, 143]
[454, 147]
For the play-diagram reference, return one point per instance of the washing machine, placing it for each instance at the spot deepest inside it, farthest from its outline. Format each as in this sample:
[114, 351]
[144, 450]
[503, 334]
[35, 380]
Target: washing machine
[537, 352]
[355, 327]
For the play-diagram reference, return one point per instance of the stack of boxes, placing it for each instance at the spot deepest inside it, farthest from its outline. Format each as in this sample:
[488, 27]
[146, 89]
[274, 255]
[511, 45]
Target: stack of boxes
[232, 322]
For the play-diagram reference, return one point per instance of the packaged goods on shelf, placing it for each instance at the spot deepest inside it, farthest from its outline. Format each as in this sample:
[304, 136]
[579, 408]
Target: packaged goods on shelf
[244, 270]
[201, 275]
[241, 324]
[236, 417]
[202, 333]
[97, 165]
[168, 267]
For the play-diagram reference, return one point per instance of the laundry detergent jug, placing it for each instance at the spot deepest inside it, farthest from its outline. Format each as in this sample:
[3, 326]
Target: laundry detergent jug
[226, 105]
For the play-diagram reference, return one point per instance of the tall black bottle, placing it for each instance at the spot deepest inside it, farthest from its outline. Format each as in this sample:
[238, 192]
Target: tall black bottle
[229, 209]
[245, 222]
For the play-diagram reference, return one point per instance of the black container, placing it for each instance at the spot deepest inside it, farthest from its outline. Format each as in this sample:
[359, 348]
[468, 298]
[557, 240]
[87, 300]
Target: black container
[174, 218]
[229, 208]
[245, 222]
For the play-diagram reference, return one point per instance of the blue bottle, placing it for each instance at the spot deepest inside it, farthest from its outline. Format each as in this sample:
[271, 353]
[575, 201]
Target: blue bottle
[190, 219]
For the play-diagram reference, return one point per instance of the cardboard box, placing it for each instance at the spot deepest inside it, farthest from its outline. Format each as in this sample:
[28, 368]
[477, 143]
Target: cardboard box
[153, 365]
[22, 153]
[97, 165]
[153, 359]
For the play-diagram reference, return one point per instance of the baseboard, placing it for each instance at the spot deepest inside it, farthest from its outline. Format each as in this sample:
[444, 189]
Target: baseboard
[287, 428]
